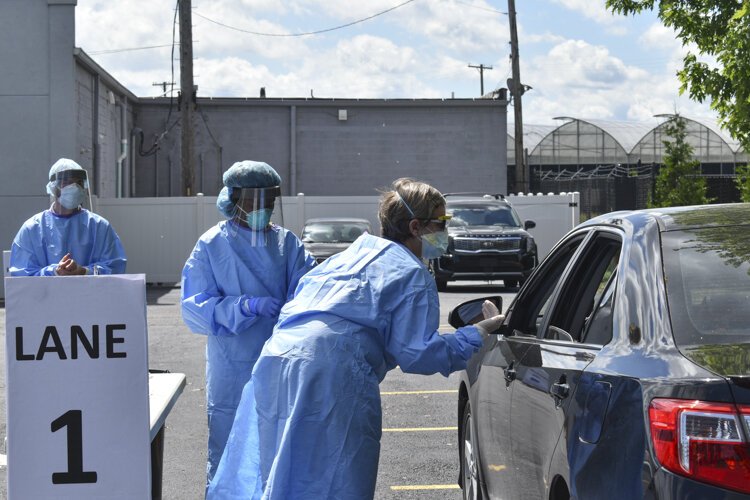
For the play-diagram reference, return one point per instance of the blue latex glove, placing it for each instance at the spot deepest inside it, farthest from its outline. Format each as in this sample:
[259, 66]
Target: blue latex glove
[267, 307]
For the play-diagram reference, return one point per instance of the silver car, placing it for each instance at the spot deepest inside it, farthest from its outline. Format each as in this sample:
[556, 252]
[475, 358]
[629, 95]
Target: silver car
[326, 236]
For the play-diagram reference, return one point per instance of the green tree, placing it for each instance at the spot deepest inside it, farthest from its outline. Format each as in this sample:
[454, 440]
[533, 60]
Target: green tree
[719, 29]
[679, 182]
[743, 182]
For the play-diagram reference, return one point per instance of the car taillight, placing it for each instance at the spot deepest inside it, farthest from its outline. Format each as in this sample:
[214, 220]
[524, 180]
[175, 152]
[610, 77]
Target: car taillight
[705, 441]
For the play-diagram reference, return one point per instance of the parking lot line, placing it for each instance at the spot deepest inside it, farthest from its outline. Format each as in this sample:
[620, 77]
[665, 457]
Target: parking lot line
[420, 429]
[399, 393]
[414, 487]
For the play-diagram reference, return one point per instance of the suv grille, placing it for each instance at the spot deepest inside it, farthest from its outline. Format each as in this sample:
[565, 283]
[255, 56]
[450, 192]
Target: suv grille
[479, 243]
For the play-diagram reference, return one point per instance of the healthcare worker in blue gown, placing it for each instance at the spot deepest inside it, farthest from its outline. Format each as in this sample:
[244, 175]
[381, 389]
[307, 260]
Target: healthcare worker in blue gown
[67, 239]
[234, 283]
[310, 422]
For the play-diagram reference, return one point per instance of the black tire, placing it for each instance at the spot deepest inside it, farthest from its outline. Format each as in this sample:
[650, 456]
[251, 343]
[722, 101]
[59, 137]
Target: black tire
[469, 464]
[442, 284]
[510, 283]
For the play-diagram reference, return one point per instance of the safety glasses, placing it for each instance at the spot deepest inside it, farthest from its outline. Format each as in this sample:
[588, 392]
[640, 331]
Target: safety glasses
[440, 222]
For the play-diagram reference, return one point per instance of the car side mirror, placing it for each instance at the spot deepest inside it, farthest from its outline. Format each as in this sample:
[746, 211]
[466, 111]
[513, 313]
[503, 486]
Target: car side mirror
[529, 224]
[470, 312]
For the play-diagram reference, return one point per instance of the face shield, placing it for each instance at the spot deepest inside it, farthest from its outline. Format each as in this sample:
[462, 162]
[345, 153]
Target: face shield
[70, 188]
[257, 209]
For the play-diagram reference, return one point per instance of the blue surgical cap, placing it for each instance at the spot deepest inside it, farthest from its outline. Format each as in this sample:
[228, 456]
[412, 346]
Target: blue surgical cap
[245, 174]
[60, 165]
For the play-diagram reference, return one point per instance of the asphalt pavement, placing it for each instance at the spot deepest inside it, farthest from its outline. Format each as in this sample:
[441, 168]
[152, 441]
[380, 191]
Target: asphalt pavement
[419, 454]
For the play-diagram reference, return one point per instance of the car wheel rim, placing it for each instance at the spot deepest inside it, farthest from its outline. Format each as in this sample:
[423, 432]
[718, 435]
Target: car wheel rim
[471, 482]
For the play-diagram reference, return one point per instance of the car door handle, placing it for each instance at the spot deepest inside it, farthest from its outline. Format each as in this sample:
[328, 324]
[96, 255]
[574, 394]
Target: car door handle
[509, 373]
[559, 391]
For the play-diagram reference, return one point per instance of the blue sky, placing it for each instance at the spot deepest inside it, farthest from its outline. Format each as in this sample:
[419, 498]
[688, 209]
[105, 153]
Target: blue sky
[579, 59]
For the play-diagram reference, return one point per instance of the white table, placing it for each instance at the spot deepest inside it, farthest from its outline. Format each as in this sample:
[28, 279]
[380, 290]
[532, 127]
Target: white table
[163, 391]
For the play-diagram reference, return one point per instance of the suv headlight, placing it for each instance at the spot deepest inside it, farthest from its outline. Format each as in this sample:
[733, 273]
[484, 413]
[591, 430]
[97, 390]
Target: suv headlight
[530, 244]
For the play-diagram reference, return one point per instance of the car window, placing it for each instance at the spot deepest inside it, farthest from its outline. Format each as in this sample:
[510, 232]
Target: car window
[531, 308]
[584, 287]
[333, 232]
[598, 328]
[708, 284]
[483, 215]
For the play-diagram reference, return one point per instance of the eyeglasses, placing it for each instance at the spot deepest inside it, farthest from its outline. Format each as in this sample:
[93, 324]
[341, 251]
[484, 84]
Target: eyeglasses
[440, 222]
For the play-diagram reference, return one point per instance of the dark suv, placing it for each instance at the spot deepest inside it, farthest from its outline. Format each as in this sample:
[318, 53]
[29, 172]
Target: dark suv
[487, 241]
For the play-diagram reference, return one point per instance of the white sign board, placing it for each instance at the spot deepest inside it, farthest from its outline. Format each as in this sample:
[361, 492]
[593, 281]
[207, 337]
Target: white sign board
[77, 388]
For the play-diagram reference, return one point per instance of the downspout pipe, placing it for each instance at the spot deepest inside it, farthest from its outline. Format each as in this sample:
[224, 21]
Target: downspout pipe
[293, 150]
[123, 146]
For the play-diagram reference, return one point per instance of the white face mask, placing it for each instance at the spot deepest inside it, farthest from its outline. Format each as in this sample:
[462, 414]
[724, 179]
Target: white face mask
[72, 196]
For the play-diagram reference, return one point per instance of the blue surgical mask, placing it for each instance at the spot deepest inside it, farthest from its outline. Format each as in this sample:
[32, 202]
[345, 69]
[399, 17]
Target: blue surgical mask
[258, 219]
[434, 244]
[72, 196]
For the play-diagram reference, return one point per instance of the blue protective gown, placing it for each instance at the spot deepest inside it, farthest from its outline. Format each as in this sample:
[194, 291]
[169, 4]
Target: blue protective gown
[223, 268]
[309, 423]
[45, 238]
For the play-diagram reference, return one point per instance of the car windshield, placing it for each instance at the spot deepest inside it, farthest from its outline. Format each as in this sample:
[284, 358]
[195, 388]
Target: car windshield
[708, 284]
[333, 232]
[482, 215]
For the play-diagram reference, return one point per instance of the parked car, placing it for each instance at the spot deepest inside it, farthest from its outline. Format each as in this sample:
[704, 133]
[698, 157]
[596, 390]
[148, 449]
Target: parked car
[622, 368]
[486, 241]
[326, 236]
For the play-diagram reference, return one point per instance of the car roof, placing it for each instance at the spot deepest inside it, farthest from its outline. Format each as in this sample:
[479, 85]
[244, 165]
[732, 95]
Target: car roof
[478, 199]
[317, 220]
[679, 218]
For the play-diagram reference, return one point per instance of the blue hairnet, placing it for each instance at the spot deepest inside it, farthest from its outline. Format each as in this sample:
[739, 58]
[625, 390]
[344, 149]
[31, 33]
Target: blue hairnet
[60, 165]
[245, 174]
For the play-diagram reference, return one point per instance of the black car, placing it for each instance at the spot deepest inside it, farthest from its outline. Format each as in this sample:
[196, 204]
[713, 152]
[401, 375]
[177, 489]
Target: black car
[622, 368]
[486, 241]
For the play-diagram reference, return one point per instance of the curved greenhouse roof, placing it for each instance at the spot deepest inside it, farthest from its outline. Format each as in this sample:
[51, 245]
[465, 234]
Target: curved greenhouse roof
[589, 142]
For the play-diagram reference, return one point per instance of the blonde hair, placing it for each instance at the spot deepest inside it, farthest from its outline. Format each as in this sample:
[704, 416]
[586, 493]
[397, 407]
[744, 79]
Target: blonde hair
[406, 200]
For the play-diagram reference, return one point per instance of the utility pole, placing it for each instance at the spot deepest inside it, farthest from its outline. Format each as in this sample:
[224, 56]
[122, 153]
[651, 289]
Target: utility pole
[516, 89]
[186, 90]
[481, 69]
[163, 85]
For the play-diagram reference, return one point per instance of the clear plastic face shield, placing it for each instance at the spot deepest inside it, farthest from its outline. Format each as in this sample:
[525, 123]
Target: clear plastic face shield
[258, 209]
[70, 190]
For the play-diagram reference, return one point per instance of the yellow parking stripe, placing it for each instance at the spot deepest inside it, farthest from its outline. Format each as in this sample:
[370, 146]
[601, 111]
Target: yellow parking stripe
[420, 429]
[399, 393]
[415, 487]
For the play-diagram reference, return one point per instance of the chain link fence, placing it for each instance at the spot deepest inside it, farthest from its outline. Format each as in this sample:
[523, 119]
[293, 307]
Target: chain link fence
[608, 188]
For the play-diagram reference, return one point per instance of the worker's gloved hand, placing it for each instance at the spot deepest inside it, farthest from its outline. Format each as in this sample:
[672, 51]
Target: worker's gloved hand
[267, 307]
[489, 309]
[487, 326]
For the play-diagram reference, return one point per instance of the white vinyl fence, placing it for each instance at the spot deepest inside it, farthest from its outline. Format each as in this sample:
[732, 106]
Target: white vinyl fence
[159, 233]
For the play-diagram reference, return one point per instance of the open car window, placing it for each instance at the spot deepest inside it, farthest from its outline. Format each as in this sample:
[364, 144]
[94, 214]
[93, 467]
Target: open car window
[589, 283]
[530, 310]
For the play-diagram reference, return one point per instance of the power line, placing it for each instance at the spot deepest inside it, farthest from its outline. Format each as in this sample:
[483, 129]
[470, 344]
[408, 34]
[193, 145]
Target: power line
[481, 8]
[113, 51]
[309, 32]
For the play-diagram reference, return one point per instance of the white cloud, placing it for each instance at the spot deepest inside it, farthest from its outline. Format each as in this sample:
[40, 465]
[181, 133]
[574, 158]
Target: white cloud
[545, 37]
[420, 50]
[596, 11]
[590, 82]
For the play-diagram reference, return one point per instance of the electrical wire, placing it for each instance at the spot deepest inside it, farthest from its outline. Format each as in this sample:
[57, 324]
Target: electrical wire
[481, 8]
[114, 51]
[167, 128]
[306, 33]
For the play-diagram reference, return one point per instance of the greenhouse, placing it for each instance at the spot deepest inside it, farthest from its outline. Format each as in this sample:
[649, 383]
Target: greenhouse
[582, 145]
